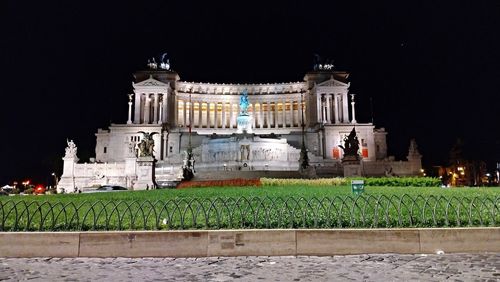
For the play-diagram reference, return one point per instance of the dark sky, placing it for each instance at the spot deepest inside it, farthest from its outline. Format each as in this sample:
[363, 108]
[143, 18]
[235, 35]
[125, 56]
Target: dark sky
[431, 68]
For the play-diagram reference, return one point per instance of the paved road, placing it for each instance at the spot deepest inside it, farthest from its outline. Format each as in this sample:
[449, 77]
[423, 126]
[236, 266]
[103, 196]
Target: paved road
[454, 267]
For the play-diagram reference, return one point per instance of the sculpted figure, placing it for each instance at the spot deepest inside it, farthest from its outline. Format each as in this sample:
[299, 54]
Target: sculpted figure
[146, 146]
[244, 102]
[351, 144]
[70, 149]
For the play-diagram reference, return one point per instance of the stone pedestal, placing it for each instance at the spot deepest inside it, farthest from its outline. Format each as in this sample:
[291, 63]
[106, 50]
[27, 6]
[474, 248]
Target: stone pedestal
[67, 182]
[352, 166]
[244, 123]
[145, 168]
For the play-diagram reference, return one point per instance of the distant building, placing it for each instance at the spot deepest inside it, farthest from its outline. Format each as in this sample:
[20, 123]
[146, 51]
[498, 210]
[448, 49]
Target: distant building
[204, 117]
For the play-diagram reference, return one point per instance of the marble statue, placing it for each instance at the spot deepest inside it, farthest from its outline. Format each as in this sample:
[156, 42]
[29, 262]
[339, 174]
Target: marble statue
[70, 149]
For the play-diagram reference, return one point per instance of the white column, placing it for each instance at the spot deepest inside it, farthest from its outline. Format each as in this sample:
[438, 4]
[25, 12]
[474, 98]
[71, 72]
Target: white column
[328, 108]
[323, 111]
[165, 108]
[200, 115]
[345, 107]
[155, 108]
[318, 106]
[261, 115]
[208, 114]
[147, 106]
[216, 115]
[337, 109]
[276, 121]
[352, 109]
[283, 110]
[129, 121]
[268, 114]
[223, 115]
[160, 118]
[137, 108]
[184, 112]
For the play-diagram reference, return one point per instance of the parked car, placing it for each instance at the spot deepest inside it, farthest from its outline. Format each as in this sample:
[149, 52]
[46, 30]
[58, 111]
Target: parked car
[107, 188]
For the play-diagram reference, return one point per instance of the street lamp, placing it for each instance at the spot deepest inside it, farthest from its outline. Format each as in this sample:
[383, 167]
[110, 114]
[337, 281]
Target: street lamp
[55, 179]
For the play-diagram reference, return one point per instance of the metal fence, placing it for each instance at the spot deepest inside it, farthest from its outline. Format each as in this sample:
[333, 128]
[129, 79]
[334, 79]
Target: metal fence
[365, 211]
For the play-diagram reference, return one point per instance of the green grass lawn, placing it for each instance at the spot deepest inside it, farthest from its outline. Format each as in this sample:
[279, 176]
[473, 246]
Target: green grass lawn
[284, 191]
[254, 207]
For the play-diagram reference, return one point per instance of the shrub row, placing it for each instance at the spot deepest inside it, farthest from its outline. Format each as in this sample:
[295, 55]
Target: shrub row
[369, 181]
[220, 183]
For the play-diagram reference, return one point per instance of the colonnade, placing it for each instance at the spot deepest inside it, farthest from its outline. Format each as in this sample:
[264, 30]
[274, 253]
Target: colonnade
[150, 108]
[269, 114]
[332, 108]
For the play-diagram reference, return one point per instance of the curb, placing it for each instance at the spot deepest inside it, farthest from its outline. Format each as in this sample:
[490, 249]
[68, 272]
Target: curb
[249, 242]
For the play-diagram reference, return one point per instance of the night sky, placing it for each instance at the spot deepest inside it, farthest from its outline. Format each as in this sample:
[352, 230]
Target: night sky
[431, 68]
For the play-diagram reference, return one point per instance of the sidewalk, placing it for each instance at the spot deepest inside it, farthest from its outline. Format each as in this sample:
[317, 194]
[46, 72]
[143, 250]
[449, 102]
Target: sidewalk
[387, 267]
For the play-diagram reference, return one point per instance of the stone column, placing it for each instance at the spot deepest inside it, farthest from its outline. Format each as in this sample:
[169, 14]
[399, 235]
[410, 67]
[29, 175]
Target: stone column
[336, 108]
[216, 115]
[208, 114]
[261, 116]
[345, 108]
[268, 114]
[147, 106]
[160, 118]
[184, 113]
[165, 108]
[276, 120]
[352, 109]
[223, 115]
[283, 110]
[318, 106]
[200, 115]
[137, 108]
[155, 108]
[129, 121]
[328, 109]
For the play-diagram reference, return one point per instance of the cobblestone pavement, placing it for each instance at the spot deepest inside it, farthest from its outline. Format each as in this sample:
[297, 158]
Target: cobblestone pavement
[387, 267]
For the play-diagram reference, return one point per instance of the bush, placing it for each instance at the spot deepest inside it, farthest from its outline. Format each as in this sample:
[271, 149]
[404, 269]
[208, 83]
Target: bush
[369, 181]
[29, 191]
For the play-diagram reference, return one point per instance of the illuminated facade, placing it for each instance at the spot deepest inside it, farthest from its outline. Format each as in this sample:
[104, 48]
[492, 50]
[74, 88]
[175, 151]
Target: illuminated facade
[203, 116]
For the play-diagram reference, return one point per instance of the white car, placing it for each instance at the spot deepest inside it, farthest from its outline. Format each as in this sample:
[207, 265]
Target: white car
[107, 188]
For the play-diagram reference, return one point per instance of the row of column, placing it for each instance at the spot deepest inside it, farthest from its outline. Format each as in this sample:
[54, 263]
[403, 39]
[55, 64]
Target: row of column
[150, 108]
[332, 108]
[224, 114]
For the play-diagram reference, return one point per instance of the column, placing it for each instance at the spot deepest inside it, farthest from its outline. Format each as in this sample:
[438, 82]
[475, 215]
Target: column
[147, 106]
[200, 115]
[230, 115]
[283, 110]
[129, 120]
[328, 108]
[155, 108]
[165, 108]
[323, 111]
[137, 108]
[176, 111]
[216, 115]
[208, 114]
[160, 118]
[337, 109]
[184, 112]
[352, 109]
[268, 114]
[276, 121]
[345, 108]
[318, 106]
[223, 115]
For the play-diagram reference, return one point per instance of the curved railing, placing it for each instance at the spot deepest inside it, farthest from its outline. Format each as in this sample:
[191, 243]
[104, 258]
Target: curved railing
[365, 211]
